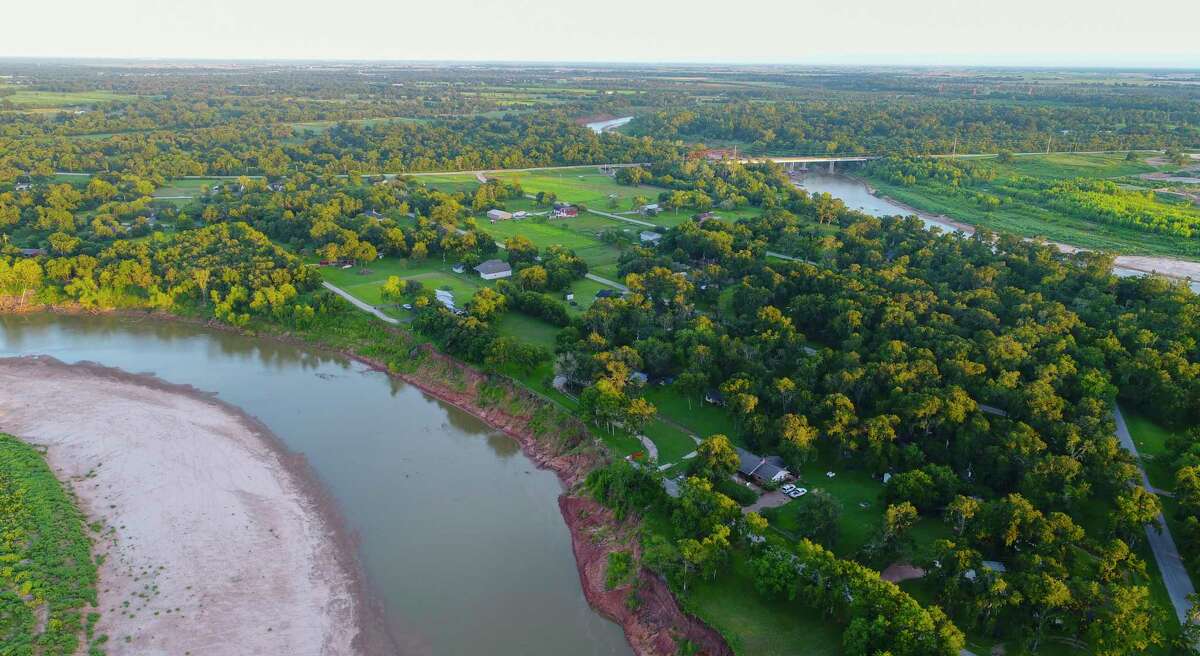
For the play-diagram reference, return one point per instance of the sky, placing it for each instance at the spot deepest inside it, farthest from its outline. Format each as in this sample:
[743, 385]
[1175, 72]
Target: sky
[1103, 33]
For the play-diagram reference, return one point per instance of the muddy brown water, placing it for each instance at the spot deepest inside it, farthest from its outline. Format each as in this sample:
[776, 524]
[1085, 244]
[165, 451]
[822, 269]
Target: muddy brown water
[460, 535]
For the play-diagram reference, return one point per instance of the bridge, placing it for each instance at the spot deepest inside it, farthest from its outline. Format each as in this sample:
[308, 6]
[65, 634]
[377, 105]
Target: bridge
[801, 162]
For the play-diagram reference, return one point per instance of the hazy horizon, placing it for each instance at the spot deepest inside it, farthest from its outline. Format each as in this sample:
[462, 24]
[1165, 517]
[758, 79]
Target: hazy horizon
[1024, 33]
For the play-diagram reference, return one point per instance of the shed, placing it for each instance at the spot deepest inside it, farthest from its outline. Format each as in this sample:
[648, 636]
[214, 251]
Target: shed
[649, 237]
[499, 215]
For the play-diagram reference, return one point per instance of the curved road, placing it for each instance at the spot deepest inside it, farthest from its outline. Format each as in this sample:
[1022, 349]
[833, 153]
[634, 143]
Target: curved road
[1166, 554]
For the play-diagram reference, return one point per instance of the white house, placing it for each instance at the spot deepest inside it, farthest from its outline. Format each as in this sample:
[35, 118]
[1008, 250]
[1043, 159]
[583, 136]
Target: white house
[499, 215]
[494, 269]
[649, 237]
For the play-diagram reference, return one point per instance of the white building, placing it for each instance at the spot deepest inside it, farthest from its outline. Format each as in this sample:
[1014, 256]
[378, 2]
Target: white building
[494, 269]
[499, 215]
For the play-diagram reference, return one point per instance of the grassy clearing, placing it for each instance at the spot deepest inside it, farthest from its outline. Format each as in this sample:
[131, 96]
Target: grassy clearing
[48, 578]
[1151, 441]
[1030, 220]
[701, 418]
[861, 499]
[585, 185]
[28, 98]
[186, 186]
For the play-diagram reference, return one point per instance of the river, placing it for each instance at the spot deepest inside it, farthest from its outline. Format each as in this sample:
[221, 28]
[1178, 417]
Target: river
[857, 196]
[603, 126]
[460, 535]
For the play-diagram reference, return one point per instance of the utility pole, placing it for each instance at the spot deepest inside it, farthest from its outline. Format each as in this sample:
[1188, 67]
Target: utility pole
[1048, 140]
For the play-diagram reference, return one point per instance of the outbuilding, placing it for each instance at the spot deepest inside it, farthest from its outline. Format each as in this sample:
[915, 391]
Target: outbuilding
[494, 269]
[649, 237]
[499, 215]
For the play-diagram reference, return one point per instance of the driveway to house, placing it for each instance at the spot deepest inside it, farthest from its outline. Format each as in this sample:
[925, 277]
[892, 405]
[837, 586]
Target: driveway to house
[767, 500]
[365, 307]
[1166, 554]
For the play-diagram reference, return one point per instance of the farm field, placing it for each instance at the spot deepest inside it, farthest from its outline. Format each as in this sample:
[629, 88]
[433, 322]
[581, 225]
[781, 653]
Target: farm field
[1028, 219]
[33, 98]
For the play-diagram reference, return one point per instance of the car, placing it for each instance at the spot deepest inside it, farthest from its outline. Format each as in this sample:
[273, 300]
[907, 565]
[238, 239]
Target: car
[798, 492]
[407, 306]
[787, 489]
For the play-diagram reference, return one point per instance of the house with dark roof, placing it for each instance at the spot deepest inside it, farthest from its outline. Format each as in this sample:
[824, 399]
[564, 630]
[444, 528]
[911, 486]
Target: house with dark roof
[761, 470]
[32, 252]
[494, 269]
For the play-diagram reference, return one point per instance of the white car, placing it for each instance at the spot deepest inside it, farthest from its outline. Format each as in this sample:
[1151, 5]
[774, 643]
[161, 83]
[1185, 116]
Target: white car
[797, 492]
[787, 489]
[407, 306]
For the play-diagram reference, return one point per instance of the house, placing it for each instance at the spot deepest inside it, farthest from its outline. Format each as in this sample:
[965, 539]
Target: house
[565, 210]
[446, 298]
[761, 470]
[278, 187]
[650, 237]
[714, 397]
[703, 216]
[570, 296]
[650, 210]
[33, 252]
[499, 215]
[608, 293]
[639, 377]
[24, 186]
[494, 269]
[459, 268]
[988, 565]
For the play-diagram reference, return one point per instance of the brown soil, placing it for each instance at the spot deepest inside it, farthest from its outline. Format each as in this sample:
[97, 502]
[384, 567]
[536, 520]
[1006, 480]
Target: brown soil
[657, 627]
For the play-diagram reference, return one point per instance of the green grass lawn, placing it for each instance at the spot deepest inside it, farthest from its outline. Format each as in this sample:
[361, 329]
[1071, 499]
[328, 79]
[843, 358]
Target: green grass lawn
[583, 185]
[1151, 441]
[701, 418]
[186, 186]
[527, 328]
[755, 626]
[859, 494]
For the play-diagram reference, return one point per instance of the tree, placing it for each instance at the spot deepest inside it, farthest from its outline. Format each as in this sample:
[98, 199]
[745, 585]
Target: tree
[960, 511]
[797, 439]
[1135, 509]
[818, 513]
[716, 458]
[392, 289]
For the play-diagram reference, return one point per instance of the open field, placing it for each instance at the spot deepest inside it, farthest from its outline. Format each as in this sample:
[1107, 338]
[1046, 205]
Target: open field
[24, 97]
[1028, 219]
[186, 186]
[234, 548]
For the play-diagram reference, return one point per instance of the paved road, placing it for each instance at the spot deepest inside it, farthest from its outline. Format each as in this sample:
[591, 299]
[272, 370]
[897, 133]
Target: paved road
[606, 281]
[359, 304]
[1166, 554]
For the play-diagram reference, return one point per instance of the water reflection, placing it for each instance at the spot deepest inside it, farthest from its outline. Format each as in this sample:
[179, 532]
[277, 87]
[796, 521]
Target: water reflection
[460, 535]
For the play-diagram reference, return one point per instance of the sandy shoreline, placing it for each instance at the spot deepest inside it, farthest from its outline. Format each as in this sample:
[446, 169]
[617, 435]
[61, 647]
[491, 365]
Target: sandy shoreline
[215, 539]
